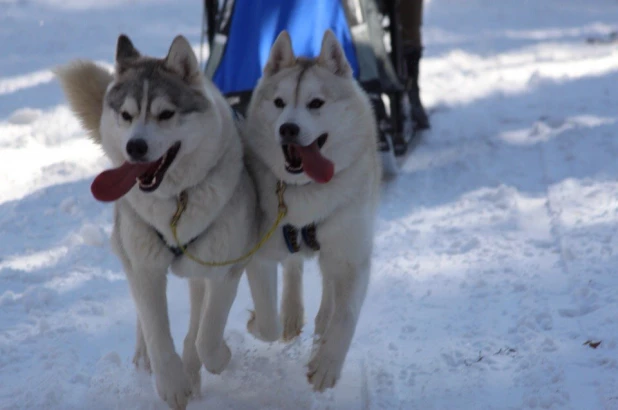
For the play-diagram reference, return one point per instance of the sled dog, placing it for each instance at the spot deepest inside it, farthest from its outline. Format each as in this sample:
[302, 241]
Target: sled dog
[311, 128]
[172, 139]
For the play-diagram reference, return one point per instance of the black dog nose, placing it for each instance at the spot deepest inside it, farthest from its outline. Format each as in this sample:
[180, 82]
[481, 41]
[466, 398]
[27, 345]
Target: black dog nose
[289, 130]
[137, 148]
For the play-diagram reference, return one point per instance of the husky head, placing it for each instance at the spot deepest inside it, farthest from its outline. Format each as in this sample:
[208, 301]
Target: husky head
[308, 118]
[158, 124]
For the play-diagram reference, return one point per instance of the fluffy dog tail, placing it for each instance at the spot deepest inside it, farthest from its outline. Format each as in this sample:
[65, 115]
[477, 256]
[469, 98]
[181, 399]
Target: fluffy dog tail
[84, 83]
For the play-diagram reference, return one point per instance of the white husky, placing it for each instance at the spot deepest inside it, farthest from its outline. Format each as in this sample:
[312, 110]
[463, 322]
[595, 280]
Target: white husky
[170, 134]
[311, 126]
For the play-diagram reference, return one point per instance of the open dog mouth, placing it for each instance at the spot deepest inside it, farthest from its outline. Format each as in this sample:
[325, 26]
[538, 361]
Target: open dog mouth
[152, 178]
[295, 155]
[113, 184]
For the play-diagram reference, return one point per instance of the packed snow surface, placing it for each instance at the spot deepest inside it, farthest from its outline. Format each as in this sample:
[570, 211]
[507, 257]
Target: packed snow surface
[495, 272]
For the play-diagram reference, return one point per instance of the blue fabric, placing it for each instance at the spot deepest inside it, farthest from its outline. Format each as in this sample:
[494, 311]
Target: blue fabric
[255, 25]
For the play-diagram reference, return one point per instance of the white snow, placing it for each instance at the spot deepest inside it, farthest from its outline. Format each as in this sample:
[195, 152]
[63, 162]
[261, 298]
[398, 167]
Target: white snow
[496, 254]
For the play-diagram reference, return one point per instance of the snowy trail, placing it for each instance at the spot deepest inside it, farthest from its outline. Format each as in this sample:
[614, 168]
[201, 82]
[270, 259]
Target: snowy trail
[496, 248]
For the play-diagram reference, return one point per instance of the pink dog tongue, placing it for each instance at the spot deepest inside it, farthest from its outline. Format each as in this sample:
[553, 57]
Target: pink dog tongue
[114, 183]
[318, 168]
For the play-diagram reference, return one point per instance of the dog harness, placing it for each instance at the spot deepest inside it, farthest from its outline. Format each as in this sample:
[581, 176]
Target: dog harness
[182, 201]
[181, 206]
[290, 233]
[307, 232]
[176, 250]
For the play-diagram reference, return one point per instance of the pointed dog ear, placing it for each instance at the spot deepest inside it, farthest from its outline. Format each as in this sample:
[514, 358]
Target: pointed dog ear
[125, 53]
[281, 55]
[332, 56]
[181, 59]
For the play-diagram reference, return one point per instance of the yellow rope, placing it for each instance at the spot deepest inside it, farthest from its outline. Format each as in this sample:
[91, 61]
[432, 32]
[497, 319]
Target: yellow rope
[183, 199]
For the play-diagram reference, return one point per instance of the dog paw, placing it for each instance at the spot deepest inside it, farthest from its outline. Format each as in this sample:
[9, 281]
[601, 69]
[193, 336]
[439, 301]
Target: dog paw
[323, 371]
[141, 360]
[173, 384]
[195, 380]
[292, 319]
[269, 335]
[216, 362]
[192, 365]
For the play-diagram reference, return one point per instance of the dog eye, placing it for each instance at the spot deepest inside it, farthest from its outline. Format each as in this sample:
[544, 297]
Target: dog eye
[166, 115]
[279, 103]
[315, 104]
[126, 116]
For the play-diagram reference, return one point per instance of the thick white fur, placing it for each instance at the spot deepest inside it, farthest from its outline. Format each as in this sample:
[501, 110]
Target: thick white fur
[84, 84]
[221, 209]
[343, 209]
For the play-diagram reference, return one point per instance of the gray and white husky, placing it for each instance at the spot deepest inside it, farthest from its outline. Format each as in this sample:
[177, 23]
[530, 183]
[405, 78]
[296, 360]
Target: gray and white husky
[167, 130]
[311, 126]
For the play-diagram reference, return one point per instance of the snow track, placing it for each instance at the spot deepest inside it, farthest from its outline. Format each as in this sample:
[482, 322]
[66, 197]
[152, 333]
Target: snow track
[495, 267]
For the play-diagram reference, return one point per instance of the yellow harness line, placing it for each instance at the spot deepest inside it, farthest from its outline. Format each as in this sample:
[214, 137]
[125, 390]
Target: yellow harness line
[181, 206]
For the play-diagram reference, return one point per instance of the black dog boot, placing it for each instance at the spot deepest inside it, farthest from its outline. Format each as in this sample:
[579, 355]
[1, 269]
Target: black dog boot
[412, 57]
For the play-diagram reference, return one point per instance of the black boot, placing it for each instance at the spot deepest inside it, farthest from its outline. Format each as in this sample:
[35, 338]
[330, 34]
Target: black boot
[412, 57]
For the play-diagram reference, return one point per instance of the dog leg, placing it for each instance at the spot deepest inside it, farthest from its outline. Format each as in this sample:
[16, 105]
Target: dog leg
[141, 353]
[263, 324]
[211, 348]
[190, 357]
[325, 312]
[149, 292]
[349, 286]
[292, 309]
